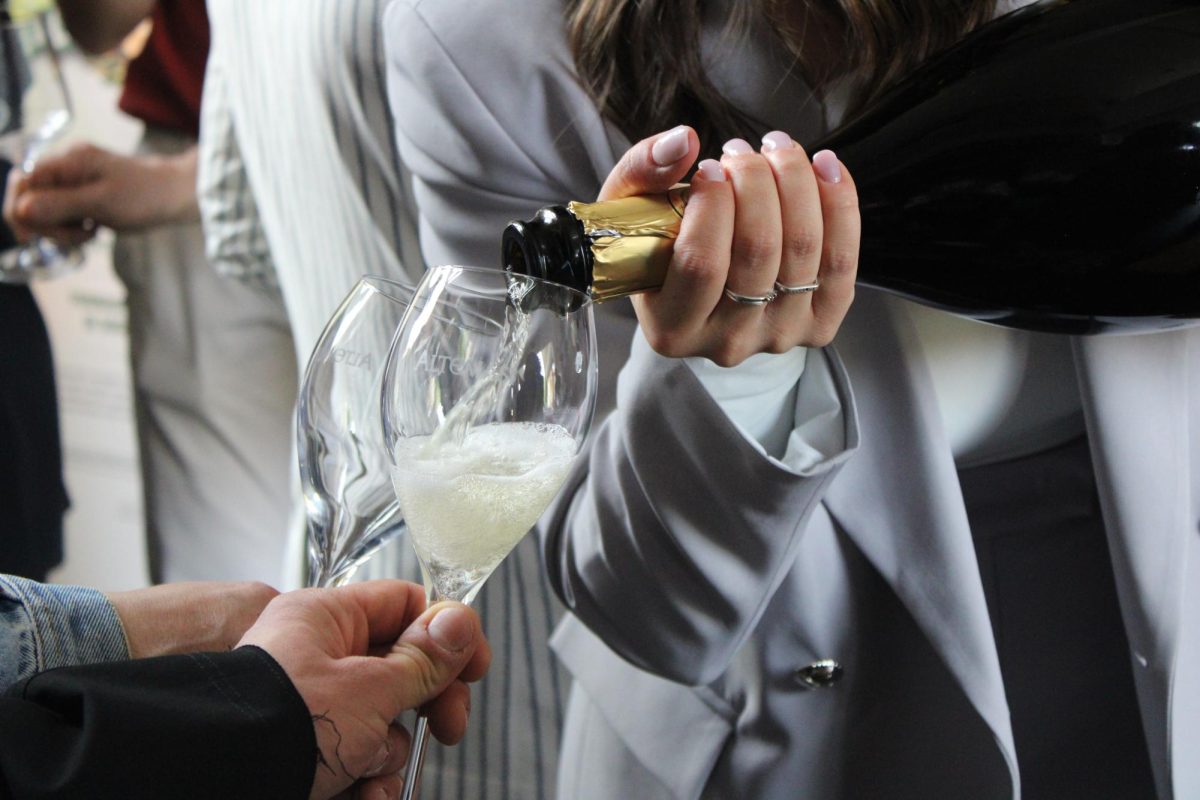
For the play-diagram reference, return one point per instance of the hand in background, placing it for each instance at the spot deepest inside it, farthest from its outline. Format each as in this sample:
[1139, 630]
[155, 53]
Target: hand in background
[754, 220]
[69, 193]
[361, 654]
[190, 617]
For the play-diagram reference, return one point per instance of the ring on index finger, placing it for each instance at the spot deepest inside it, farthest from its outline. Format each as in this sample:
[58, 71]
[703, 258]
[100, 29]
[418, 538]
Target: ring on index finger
[804, 288]
[750, 299]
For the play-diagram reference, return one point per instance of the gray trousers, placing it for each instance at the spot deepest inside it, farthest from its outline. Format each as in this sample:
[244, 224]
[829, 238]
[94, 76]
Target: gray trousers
[214, 385]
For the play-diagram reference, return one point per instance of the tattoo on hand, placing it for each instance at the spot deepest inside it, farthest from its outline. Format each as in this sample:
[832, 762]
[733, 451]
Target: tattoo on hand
[322, 761]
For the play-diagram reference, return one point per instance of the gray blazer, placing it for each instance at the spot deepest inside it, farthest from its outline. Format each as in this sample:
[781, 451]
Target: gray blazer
[704, 579]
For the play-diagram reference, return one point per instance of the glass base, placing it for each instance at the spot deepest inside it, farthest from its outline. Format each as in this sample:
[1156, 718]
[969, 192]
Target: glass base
[39, 258]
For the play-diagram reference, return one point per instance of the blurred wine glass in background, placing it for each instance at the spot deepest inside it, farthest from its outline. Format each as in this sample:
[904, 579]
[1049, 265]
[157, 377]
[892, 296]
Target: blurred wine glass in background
[35, 112]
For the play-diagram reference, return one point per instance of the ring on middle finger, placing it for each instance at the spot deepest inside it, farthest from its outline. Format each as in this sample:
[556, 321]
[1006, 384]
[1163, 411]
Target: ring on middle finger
[750, 299]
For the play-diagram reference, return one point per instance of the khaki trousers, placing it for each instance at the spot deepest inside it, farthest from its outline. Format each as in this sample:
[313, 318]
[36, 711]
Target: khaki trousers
[214, 385]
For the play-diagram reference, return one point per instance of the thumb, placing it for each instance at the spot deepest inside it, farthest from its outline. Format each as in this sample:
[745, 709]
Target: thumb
[432, 653]
[654, 164]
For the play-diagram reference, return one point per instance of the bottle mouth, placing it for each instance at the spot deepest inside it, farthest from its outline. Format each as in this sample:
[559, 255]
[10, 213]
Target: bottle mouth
[552, 248]
[513, 246]
[530, 294]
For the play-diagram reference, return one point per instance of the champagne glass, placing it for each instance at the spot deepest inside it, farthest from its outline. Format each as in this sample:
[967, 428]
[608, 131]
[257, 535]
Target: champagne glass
[488, 394]
[35, 110]
[348, 498]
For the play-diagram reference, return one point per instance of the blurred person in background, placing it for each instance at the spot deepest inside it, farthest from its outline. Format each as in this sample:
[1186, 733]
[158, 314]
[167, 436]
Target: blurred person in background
[214, 383]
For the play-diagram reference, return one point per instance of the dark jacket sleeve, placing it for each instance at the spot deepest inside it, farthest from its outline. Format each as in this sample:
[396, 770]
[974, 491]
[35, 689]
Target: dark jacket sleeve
[7, 238]
[32, 494]
[214, 725]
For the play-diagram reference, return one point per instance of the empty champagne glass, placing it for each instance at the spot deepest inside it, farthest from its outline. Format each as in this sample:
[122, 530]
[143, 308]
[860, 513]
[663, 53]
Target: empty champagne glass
[35, 111]
[488, 394]
[348, 498]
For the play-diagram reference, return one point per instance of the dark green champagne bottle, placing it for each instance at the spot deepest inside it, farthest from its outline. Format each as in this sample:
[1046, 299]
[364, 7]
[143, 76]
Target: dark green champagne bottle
[1044, 173]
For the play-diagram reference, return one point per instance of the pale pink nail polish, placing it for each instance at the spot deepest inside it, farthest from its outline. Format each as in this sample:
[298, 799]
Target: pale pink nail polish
[711, 170]
[776, 140]
[827, 166]
[670, 147]
[737, 147]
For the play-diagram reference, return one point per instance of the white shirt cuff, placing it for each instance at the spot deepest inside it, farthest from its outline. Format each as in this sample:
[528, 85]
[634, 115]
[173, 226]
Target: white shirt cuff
[795, 422]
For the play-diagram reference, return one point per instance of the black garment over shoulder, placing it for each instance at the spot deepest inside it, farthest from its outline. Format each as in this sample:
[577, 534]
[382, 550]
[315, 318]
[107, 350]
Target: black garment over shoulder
[211, 725]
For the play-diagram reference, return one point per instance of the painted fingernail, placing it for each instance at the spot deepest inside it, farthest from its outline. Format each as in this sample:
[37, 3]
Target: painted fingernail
[737, 147]
[776, 140]
[670, 147]
[452, 628]
[827, 166]
[711, 170]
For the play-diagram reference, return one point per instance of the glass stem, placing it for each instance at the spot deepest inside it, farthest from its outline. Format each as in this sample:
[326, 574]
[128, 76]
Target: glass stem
[420, 740]
[416, 757]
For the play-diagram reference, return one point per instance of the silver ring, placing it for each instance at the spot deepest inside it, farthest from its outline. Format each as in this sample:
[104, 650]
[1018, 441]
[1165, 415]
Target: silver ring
[749, 299]
[804, 288]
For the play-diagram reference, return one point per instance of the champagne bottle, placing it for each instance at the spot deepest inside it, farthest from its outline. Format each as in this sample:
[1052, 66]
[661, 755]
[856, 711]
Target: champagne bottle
[1043, 173]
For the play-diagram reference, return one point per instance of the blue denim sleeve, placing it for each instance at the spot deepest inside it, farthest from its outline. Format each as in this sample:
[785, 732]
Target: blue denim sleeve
[44, 626]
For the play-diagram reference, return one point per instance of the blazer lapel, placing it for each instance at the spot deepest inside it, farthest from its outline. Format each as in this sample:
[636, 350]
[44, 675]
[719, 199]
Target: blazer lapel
[898, 498]
[1141, 398]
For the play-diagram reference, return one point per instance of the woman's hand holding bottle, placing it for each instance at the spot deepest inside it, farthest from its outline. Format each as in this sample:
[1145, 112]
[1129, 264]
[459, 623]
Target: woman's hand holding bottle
[762, 228]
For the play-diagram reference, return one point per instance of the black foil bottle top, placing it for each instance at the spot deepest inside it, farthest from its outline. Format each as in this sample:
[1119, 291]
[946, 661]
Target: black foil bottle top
[552, 246]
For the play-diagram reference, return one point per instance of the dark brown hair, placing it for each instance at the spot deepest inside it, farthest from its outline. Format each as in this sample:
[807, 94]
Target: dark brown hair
[641, 59]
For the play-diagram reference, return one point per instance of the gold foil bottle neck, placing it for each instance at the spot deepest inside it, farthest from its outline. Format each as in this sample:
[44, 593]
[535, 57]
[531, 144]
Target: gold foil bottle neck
[632, 240]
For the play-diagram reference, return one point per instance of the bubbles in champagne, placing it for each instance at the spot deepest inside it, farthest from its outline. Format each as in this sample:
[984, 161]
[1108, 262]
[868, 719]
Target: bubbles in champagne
[468, 503]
